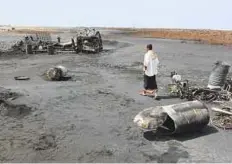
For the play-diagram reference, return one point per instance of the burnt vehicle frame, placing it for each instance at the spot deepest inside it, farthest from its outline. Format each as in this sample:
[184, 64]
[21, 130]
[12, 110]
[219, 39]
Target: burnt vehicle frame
[90, 43]
[82, 43]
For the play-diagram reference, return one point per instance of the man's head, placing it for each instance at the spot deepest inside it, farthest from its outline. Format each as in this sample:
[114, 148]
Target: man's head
[173, 73]
[149, 47]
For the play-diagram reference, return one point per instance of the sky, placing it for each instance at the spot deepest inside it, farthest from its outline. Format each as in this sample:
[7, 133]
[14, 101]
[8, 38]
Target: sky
[193, 14]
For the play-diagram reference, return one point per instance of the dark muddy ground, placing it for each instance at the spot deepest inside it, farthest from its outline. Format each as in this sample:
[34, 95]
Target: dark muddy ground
[90, 118]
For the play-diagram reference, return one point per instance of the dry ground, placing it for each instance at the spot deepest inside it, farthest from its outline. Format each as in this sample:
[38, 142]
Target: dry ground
[90, 118]
[216, 37]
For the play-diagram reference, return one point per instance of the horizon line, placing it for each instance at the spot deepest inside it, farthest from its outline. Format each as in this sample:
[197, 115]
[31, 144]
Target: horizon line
[113, 27]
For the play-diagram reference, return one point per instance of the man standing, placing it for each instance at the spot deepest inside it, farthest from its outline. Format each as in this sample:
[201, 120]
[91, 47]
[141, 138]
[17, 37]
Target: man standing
[150, 69]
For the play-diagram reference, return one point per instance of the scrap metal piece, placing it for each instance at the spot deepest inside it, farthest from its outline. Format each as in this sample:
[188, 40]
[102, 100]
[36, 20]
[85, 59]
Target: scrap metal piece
[223, 119]
[56, 73]
[53, 74]
[218, 75]
[150, 119]
[179, 88]
[205, 94]
[222, 111]
[21, 78]
[172, 119]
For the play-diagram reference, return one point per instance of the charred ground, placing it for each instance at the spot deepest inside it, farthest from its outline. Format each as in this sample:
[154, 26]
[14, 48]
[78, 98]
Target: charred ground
[90, 118]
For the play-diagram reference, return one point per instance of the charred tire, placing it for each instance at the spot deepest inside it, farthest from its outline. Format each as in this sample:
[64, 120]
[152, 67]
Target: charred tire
[205, 95]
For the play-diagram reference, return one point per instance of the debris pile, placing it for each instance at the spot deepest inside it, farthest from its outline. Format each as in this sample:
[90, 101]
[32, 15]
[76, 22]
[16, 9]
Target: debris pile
[12, 47]
[222, 120]
[207, 95]
[184, 90]
[86, 40]
[7, 46]
[194, 114]
[222, 115]
[38, 41]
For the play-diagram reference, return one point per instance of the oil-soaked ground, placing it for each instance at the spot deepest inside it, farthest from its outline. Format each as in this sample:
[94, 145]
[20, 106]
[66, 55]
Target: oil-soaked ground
[90, 118]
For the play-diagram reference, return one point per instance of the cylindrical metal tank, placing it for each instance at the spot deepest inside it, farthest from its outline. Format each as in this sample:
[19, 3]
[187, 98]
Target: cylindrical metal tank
[218, 75]
[29, 49]
[186, 117]
[172, 119]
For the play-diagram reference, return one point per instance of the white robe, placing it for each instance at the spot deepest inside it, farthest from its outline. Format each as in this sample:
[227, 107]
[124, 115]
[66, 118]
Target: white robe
[151, 61]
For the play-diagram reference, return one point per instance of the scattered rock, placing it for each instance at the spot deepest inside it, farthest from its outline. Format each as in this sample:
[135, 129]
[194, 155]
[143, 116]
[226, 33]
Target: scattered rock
[45, 141]
[104, 92]
[183, 41]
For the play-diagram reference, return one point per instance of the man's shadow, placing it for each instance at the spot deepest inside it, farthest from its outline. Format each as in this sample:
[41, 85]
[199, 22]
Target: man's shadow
[151, 136]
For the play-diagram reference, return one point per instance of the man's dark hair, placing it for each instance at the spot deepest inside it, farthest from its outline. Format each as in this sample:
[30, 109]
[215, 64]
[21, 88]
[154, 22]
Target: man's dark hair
[149, 47]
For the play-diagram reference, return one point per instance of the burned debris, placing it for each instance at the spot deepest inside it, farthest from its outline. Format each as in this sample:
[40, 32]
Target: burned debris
[223, 120]
[87, 41]
[34, 43]
[218, 75]
[173, 119]
[218, 86]
[57, 73]
[194, 114]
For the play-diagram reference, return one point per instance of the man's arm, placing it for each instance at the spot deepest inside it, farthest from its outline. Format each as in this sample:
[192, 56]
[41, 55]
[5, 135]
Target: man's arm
[145, 63]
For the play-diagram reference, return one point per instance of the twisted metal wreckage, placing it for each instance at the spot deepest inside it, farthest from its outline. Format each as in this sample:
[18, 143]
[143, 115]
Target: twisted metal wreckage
[194, 114]
[219, 86]
[89, 40]
[183, 90]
